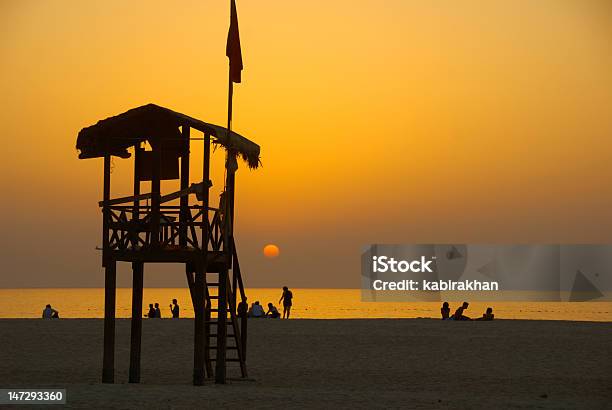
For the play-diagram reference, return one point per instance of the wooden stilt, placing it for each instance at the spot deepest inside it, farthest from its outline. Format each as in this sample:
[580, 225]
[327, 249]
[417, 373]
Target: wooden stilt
[110, 284]
[191, 283]
[136, 332]
[221, 328]
[198, 345]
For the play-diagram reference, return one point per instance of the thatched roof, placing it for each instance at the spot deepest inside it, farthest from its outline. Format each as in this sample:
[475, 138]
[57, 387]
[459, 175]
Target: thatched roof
[158, 125]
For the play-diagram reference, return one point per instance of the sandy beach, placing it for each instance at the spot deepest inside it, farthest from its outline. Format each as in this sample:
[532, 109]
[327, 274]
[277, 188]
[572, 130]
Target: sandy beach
[416, 363]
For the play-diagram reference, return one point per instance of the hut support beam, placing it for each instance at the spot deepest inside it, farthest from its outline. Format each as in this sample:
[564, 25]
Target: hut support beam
[189, 272]
[156, 197]
[184, 204]
[110, 284]
[136, 332]
[136, 210]
[184, 200]
[106, 210]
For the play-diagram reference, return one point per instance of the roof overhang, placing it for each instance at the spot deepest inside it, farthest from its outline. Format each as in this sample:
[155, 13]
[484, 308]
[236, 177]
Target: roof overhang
[158, 125]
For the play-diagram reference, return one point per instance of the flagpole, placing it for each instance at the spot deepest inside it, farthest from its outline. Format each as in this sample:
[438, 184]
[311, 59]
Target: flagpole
[234, 54]
[230, 153]
[230, 94]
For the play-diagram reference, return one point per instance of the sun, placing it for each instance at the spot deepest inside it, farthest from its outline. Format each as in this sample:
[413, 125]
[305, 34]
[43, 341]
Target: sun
[271, 251]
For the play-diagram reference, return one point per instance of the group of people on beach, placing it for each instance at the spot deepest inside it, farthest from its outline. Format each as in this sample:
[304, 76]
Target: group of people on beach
[458, 315]
[257, 311]
[155, 312]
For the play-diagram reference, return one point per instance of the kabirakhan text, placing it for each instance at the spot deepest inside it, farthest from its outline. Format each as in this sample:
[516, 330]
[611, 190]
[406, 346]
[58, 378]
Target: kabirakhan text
[435, 285]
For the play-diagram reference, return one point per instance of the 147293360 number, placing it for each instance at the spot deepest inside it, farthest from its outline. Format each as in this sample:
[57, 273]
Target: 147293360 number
[8, 396]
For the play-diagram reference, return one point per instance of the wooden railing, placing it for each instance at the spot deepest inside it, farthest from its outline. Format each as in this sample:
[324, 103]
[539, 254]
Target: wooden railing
[131, 228]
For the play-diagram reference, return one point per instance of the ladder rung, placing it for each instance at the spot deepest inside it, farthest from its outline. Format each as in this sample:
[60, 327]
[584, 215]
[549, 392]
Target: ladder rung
[212, 283]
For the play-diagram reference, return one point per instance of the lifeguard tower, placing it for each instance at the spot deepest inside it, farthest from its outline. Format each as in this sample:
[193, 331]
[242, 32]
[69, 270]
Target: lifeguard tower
[149, 228]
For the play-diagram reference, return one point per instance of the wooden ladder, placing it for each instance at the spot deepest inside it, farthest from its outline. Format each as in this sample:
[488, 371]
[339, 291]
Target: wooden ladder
[234, 349]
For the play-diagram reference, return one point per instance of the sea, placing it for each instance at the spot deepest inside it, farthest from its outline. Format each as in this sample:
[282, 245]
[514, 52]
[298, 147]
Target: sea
[307, 304]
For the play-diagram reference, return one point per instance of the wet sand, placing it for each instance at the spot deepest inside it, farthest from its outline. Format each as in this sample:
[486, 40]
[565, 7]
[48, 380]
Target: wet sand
[415, 363]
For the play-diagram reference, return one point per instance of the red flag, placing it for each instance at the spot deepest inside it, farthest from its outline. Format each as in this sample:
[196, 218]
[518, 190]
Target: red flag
[232, 49]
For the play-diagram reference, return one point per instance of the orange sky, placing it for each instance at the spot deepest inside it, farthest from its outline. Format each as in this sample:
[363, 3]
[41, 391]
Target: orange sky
[379, 121]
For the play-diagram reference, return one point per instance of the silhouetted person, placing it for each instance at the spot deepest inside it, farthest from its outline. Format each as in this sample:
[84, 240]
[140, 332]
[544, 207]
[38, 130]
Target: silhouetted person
[272, 312]
[445, 310]
[488, 315]
[287, 299]
[256, 310]
[50, 313]
[151, 313]
[157, 311]
[243, 309]
[174, 308]
[459, 312]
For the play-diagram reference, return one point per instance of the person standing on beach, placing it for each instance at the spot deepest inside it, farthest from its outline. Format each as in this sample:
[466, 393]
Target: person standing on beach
[157, 311]
[286, 298]
[174, 309]
[50, 313]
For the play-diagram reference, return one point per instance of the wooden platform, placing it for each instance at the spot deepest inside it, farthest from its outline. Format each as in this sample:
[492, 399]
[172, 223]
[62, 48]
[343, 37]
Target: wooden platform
[217, 260]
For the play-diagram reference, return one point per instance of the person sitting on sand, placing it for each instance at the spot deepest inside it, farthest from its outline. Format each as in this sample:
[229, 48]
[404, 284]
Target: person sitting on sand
[256, 310]
[272, 312]
[151, 313]
[488, 315]
[174, 308]
[50, 313]
[243, 309]
[287, 298]
[459, 312]
[157, 311]
[445, 310]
